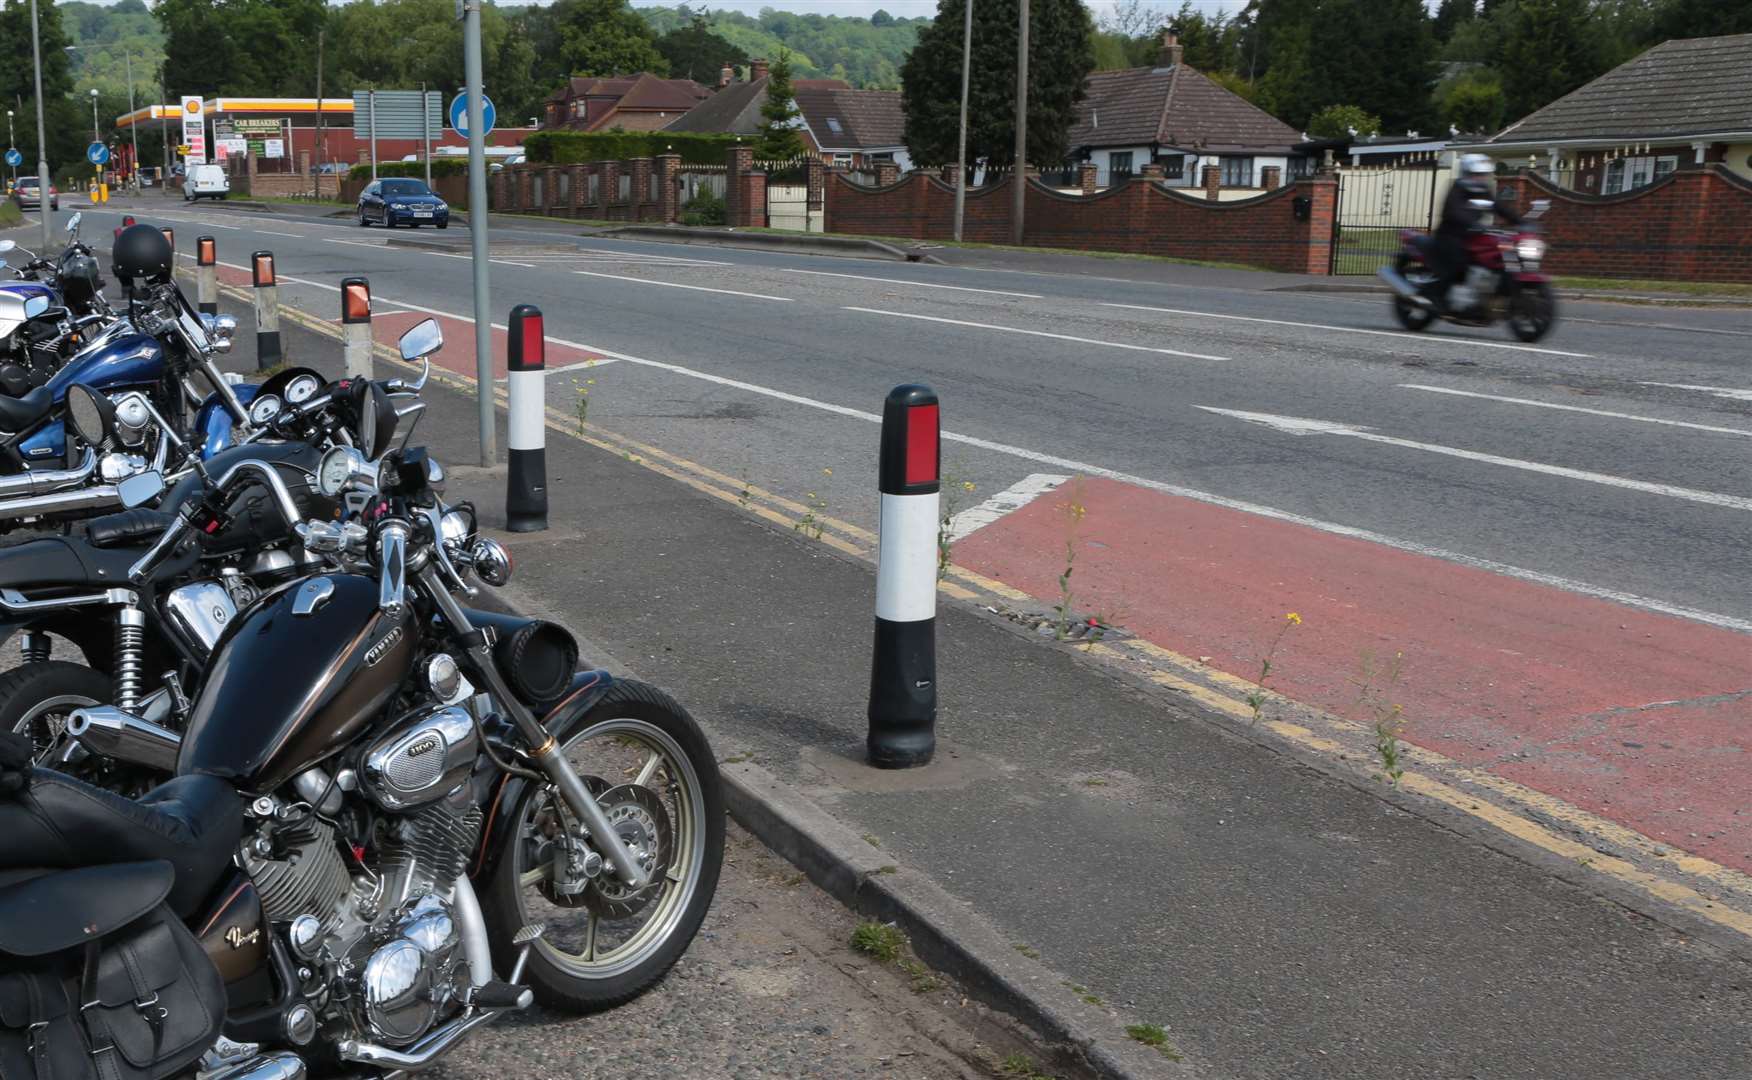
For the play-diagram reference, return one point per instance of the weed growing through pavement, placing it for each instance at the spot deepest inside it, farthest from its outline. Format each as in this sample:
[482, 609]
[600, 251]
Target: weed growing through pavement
[921, 979]
[1022, 1066]
[947, 506]
[583, 406]
[743, 495]
[1074, 510]
[1256, 699]
[878, 941]
[1386, 716]
[1027, 950]
[1154, 1036]
[813, 522]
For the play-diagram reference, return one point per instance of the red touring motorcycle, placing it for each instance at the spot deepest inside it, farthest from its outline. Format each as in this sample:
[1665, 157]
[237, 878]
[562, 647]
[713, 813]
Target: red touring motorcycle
[1502, 280]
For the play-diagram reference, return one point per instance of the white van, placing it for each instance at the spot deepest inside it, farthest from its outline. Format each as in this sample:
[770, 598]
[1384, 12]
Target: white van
[205, 181]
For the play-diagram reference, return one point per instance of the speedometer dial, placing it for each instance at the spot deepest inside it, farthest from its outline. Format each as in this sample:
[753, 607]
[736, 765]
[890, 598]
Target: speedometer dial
[264, 409]
[302, 389]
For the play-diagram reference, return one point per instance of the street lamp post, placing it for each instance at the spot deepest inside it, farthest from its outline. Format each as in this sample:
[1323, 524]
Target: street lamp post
[133, 121]
[36, 52]
[96, 137]
[11, 144]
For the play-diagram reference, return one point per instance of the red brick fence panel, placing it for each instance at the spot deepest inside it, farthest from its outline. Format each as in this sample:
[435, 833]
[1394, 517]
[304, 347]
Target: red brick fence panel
[1691, 225]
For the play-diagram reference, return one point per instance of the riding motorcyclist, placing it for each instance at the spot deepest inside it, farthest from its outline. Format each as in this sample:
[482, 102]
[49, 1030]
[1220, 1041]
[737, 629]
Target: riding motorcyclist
[1462, 214]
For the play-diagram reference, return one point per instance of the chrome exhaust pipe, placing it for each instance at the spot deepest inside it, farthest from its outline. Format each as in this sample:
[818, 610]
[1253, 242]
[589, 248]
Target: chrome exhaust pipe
[44, 481]
[1398, 281]
[98, 497]
[276, 1066]
[434, 1045]
[120, 736]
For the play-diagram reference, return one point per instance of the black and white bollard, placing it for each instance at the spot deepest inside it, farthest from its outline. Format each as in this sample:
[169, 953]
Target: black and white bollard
[207, 275]
[356, 326]
[169, 237]
[903, 675]
[267, 310]
[526, 501]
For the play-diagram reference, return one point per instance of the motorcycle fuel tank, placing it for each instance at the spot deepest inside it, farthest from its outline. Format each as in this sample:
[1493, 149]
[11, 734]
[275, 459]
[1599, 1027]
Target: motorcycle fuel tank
[294, 680]
[116, 360]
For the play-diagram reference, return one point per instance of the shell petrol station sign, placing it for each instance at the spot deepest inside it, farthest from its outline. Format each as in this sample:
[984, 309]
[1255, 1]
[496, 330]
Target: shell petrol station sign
[194, 131]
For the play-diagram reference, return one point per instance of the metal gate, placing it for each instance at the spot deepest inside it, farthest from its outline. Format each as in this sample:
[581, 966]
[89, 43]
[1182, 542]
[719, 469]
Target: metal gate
[1375, 203]
[788, 206]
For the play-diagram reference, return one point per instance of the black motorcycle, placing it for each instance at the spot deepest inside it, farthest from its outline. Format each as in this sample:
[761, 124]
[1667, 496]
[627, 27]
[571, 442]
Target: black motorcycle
[394, 818]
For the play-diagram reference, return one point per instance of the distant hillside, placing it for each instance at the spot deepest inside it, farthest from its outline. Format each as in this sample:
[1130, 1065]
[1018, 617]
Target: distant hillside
[864, 52]
[113, 32]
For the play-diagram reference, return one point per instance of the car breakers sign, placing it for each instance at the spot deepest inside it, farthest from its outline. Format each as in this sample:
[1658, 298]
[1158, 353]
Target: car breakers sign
[194, 130]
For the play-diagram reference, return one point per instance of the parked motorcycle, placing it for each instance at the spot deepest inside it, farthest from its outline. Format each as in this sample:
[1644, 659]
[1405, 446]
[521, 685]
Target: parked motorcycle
[1503, 280]
[34, 345]
[363, 753]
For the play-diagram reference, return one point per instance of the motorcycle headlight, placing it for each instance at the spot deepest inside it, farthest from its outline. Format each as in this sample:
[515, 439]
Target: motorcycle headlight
[1530, 249]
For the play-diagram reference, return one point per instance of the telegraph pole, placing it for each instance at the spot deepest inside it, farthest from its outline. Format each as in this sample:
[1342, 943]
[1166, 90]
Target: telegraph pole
[316, 174]
[36, 51]
[426, 132]
[961, 154]
[477, 223]
[1019, 179]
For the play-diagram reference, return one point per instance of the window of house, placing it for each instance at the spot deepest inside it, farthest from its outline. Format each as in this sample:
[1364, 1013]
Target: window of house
[1628, 174]
[1173, 165]
[1119, 165]
[1298, 167]
[844, 161]
[1237, 171]
[834, 126]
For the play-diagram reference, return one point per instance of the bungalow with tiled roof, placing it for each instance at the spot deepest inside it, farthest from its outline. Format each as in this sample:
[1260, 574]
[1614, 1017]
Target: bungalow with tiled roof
[642, 102]
[1173, 116]
[843, 126]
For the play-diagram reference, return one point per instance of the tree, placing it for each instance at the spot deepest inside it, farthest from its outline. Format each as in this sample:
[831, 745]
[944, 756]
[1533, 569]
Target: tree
[1450, 14]
[1060, 57]
[1342, 121]
[66, 121]
[1375, 54]
[604, 37]
[1700, 18]
[694, 52]
[1547, 50]
[881, 18]
[777, 139]
[1474, 103]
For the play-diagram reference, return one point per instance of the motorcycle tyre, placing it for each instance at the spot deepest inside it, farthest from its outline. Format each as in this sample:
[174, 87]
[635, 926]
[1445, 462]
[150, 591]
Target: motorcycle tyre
[1414, 318]
[27, 686]
[1544, 313]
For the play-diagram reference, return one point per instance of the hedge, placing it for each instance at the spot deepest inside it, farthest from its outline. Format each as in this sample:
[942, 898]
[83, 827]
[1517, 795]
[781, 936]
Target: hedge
[574, 147]
[415, 169]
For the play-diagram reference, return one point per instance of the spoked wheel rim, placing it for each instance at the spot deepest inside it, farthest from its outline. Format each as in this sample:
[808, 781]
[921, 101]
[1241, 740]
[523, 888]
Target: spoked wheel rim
[46, 722]
[583, 937]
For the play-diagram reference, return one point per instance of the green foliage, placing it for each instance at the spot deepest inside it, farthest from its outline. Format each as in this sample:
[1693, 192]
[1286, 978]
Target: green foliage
[867, 53]
[705, 208]
[414, 169]
[693, 51]
[879, 941]
[1130, 35]
[1236, 84]
[240, 46]
[573, 147]
[66, 116]
[777, 138]
[1060, 57]
[1547, 50]
[1474, 103]
[106, 36]
[1450, 14]
[1337, 122]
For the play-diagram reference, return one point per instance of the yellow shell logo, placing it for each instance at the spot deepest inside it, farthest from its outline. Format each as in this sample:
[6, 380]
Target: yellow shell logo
[192, 107]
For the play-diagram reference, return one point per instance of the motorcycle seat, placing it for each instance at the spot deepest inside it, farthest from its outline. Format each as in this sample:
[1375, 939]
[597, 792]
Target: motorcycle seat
[140, 525]
[18, 413]
[58, 559]
[192, 822]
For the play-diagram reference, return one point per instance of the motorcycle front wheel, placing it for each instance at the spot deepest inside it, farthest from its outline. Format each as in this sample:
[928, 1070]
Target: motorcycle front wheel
[604, 944]
[1532, 310]
[1412, 316]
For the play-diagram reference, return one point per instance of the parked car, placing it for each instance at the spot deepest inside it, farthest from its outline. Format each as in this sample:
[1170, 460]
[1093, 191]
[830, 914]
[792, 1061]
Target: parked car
[397, 201]
[205, 182]
[29, 196]
[514, 159]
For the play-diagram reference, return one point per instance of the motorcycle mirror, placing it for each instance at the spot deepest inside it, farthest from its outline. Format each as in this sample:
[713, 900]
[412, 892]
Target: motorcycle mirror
[73, 223]
[92, 415]
[220, 326]
[2, 264]
[374, 418]
[140, 489]
[422, 340]
[35, 306]
[7, 245]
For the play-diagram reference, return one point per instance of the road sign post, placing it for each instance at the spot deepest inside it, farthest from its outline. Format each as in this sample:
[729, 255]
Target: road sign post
[478, 120]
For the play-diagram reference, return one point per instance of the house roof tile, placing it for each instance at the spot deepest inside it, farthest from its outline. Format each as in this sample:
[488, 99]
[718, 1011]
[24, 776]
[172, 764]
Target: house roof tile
[1175, 106]
[1690, 86]
[734, 109]
[843, 119]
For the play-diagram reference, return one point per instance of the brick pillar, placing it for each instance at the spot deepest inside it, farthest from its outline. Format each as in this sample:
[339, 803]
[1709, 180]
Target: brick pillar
[525, 189]
[887, 172]
[1213, 181]
[1152, 171]
[754, 199]
[641, 194]
[608, 188]
[668, 175]
[556, 202]
[501, 181]
[1088, 177]
[947, 174]
[739, 162]
[816, 172]
[1271, 177]
[1315, 234]
[580, 187]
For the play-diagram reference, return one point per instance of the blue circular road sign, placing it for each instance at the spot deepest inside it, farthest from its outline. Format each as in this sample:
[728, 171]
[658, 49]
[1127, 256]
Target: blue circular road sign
[459, 114]
[14, 158]
[97, 153]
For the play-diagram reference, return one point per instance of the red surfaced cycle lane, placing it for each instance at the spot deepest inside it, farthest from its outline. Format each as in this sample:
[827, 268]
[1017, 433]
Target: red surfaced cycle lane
[1640, 718]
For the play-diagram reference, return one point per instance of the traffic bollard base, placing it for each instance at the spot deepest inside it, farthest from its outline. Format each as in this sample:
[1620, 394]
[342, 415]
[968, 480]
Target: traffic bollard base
[903, 695]
[526, 502]
[268, 352]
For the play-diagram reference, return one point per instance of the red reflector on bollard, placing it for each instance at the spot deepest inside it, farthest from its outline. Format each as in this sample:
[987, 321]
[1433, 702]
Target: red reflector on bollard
[128, 221]
[355, 301]
[206, 251]
[169, 236]
[534, 354]
[921, 444]
[262, 269]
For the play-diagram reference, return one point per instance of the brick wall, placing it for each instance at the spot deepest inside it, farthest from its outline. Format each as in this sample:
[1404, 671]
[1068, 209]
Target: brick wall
[1692, 225]
[566, 190]
[1138, 217]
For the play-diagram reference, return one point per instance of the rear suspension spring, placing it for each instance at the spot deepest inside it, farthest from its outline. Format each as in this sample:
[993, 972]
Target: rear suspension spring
[130, 656]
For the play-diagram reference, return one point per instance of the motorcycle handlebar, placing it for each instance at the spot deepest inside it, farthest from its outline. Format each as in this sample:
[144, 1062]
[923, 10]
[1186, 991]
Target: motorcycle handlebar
[185, 517]
[392, 549]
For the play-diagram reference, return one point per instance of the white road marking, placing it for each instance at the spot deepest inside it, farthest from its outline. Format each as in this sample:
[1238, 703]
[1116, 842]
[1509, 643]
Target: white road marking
[1729, 392]
[1296, 425]
[1008, 501]
[1038, 333]
[376, 244]
[1431, 338]
[903, 281]
[508, 262]
[270, 232]
[678, 285]
[1742, 432]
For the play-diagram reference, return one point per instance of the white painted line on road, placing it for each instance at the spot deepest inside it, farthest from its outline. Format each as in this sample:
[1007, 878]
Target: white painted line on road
[1729, 392]
[1432, 338]
[1741, 432]
[508, 262]
[1008, 501]
[270, 232]
[1297, 425]
[376, 244]
[678, 285]
[1038, 333]
[903, 281]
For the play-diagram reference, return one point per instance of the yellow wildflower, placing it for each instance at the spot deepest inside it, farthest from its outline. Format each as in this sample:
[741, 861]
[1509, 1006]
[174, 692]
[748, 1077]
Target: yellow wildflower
[1293, 619]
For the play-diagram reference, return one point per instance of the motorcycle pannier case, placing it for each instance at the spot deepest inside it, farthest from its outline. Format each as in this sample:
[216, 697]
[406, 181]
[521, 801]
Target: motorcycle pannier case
[98, 978]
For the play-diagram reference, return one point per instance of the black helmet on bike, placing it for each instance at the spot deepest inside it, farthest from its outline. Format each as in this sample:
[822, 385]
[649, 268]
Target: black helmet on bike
[141, 255]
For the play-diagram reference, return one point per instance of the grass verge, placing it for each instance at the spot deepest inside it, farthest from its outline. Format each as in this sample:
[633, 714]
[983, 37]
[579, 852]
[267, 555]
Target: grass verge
[10, 215]
[904, 242]
[1719, 289]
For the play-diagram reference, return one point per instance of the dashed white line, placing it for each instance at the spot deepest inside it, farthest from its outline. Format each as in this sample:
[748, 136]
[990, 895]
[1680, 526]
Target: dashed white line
[678, 285]
[1715, 429]
[270, 232]
[1430, 338]
[1008, 501]
[1729, 392]
[903, 281]
[1037, 333]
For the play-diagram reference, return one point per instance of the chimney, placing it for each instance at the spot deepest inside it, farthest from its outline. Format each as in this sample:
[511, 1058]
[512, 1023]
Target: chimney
[757, 70]
[726, 76]
[1171, 47]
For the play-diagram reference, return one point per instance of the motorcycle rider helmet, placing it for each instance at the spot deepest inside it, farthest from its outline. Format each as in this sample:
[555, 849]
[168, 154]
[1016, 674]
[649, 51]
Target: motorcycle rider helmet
[141, 256]
[1477, 165]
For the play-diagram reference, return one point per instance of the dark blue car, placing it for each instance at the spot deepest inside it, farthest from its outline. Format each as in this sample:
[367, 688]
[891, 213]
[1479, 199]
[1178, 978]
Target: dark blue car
[395, 201]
